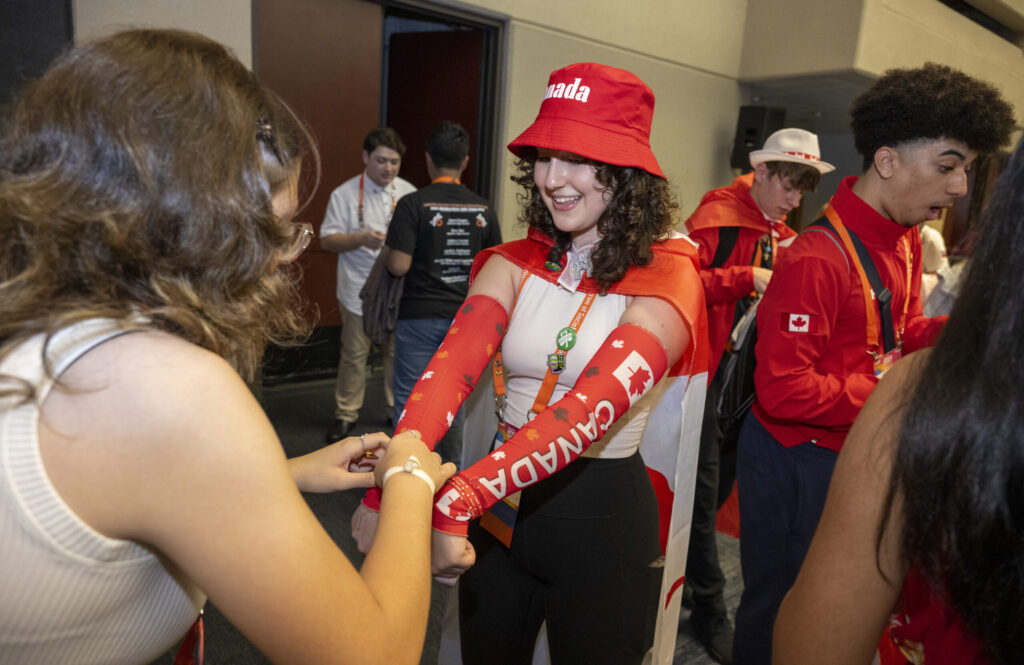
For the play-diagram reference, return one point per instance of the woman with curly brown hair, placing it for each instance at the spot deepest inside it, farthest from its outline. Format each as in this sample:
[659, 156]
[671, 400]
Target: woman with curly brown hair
[148, 185]
[583, 318]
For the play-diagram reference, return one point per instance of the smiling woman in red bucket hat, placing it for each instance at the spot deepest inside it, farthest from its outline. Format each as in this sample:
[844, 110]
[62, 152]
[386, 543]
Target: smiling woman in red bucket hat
[595, 323]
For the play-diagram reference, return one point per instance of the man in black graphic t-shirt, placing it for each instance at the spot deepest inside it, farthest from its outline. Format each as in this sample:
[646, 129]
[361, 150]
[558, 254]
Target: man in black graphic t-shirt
[434, 235]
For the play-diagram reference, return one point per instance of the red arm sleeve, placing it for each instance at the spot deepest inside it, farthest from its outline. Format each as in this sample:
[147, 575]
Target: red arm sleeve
[473, 337]
[627, 365]
[789, 378]
[470, 344]
[721, 285]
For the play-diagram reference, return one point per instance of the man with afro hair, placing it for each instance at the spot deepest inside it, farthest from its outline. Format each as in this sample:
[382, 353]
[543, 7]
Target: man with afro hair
[842, 305]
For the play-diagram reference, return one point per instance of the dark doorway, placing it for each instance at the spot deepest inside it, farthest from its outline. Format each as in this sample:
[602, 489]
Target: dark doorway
[349, 65]
[440, 67]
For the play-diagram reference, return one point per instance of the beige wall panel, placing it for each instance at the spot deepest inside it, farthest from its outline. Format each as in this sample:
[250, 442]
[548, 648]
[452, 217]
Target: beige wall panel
[788, 37]
[694, 115]
[701, 34]
[227, 21]
[907, 33]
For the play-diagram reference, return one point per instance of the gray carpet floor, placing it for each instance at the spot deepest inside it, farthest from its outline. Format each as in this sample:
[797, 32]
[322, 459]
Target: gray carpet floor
[301, 413]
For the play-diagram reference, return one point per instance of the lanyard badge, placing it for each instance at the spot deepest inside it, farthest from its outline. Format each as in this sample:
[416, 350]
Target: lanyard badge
[883, 361]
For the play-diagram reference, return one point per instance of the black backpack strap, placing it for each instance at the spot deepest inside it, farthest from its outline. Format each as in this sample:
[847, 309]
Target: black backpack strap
[882, 294]
[727, 237]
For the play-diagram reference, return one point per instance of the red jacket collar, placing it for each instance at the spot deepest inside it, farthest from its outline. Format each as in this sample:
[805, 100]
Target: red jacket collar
[870, 226]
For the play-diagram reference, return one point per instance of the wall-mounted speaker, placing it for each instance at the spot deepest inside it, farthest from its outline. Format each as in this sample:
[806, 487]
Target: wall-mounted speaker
[32, 34]
[753, 126]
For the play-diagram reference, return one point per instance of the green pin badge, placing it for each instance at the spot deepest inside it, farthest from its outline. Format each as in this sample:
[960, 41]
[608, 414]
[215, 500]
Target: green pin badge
[566, 339]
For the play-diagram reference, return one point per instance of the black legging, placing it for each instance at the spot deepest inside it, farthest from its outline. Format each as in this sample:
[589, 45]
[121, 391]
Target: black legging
[585, 557]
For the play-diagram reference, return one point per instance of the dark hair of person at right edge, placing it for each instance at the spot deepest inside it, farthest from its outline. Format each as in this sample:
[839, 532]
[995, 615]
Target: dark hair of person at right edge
[959, 468]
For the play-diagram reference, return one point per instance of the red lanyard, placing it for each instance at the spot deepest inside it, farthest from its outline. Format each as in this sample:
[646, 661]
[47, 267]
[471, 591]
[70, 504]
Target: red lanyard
[874, 339]
[547, 387]
[394, 201]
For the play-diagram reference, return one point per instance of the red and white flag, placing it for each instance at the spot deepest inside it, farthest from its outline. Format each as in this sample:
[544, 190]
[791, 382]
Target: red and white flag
[801, 323]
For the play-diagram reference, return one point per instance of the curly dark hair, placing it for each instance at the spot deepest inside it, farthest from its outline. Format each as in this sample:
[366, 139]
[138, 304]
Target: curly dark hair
[929, 102]
[959, 466]
[137, 176]
[640, 213]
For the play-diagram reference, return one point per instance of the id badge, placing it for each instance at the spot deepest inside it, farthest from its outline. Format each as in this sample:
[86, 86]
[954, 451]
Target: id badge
[504, 433]
[885, 361]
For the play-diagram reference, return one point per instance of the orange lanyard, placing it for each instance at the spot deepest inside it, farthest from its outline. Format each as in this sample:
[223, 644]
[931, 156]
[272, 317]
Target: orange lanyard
[874, 339]
[394, 201]
[547, 387]
[446, 178]
[759, 254]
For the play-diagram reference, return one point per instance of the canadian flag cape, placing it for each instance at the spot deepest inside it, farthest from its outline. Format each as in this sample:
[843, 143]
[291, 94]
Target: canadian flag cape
[670, 442]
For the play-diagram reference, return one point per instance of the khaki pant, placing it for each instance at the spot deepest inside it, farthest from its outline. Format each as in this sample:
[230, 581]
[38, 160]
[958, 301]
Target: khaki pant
[350, 389]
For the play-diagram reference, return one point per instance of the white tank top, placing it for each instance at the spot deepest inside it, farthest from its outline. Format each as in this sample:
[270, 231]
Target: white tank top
[541, 310]
[68, 594]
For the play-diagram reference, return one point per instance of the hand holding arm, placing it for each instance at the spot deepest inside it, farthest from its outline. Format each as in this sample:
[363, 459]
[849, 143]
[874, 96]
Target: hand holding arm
[339, 466]
[364, 519]
[406, 451]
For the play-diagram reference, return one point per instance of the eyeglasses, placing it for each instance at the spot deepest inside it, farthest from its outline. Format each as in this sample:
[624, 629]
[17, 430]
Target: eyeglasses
[303, 236]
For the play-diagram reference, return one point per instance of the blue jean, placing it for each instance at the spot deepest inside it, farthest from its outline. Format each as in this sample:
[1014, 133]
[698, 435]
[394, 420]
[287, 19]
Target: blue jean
[782, 494]
[416, 340]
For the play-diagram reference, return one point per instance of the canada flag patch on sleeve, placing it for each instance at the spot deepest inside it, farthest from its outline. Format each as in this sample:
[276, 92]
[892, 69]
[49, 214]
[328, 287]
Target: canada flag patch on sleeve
[801, 323]
[635, 375]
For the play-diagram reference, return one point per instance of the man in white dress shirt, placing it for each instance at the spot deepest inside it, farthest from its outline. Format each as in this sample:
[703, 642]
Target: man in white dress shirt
[355, 226]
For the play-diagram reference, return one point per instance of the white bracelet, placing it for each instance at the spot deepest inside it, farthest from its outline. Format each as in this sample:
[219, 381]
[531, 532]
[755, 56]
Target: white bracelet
[412, 465]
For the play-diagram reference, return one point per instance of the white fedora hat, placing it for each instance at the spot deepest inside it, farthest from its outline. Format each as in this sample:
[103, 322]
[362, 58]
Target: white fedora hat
[791, 145]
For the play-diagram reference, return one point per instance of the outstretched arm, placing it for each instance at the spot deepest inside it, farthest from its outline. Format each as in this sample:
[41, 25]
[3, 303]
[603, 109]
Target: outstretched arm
[467, 348]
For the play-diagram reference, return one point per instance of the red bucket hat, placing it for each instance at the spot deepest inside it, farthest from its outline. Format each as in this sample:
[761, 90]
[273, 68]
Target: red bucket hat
[598, 112]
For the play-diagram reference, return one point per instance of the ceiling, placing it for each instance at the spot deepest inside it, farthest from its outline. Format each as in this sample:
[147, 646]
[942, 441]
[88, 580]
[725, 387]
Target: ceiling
[820, 104]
